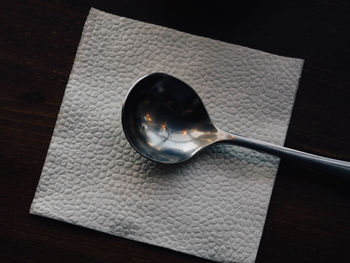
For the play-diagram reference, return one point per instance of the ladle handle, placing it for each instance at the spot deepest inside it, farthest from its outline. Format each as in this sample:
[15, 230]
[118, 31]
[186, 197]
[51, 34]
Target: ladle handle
[338, 167]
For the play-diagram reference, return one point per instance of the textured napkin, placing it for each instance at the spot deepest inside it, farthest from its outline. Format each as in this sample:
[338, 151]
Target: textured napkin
[213, 206]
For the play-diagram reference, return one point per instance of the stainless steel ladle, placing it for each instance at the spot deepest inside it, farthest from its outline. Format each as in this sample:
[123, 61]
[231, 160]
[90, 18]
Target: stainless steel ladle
[165, 120]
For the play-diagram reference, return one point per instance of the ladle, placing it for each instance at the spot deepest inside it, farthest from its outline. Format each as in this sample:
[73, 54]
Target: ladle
[165, 120]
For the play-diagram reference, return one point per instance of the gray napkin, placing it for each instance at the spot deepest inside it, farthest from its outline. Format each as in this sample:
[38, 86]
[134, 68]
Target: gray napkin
[213, 206]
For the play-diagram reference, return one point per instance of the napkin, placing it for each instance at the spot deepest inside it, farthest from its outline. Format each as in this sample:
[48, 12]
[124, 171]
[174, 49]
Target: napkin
[213, 206]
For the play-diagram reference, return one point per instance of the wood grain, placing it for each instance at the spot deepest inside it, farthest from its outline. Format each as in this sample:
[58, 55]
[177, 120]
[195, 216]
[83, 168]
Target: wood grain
[309, 213]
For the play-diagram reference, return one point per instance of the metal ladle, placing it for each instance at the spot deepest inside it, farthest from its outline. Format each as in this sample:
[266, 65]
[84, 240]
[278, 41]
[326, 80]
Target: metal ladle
[165, 120]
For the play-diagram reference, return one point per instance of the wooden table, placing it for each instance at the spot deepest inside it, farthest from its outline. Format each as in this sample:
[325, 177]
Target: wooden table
[309, 214]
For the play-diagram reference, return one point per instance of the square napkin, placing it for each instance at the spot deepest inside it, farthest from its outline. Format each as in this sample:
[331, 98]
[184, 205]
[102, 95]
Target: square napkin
[213, 206]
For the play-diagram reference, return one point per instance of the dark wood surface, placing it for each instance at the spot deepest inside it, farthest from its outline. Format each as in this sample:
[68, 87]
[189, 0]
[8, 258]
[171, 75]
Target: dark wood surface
[309, 214]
